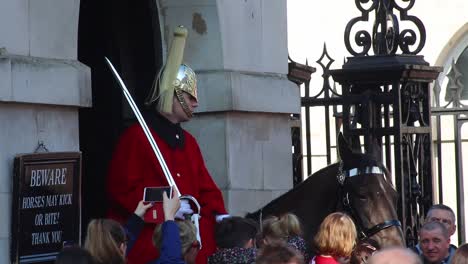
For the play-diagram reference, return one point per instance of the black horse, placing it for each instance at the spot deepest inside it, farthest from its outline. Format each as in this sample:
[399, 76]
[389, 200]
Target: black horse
[358, 185]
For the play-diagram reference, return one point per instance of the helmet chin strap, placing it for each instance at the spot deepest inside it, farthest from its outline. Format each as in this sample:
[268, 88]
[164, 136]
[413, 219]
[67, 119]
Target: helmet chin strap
[183, 103]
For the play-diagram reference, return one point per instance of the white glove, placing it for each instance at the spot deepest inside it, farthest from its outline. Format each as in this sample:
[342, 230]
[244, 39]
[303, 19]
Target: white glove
[183, 210]
[220, 218]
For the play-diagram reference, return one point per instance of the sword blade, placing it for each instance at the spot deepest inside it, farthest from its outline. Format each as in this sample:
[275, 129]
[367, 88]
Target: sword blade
[144, 126]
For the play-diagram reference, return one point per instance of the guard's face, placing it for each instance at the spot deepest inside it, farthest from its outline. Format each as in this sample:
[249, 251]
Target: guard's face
[434, 245]
[444, 217]
[178, 110]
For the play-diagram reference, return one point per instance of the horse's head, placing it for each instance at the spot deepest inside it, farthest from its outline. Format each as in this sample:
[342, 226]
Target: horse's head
[369, 196]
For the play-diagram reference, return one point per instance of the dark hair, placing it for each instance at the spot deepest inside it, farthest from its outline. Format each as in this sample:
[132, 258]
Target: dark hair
[433, 226]
[278, 254]
[74, 255]
[441, 207]
[235, 232]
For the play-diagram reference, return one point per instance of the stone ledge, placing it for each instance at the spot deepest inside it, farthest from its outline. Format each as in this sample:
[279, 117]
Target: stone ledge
[246, 91]
[35, 80]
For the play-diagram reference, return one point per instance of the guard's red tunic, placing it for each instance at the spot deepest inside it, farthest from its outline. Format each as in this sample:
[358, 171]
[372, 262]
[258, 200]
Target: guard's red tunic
[134, 167]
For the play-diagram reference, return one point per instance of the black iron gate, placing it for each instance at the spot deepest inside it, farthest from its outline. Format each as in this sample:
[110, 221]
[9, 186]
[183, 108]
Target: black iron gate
[457, 113]
[384, 100]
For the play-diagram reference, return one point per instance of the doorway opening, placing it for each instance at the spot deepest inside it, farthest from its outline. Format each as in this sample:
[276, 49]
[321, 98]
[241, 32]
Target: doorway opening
[128, 33]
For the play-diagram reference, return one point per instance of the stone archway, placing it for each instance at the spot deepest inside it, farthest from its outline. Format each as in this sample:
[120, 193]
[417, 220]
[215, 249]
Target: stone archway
[452, 50]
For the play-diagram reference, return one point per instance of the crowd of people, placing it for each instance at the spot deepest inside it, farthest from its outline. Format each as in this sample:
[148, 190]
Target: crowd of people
[278, 241]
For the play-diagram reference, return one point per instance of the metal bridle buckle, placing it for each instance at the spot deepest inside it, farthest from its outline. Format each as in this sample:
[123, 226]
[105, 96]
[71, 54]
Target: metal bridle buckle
[346, 201]
[341, 174]
[366, 170]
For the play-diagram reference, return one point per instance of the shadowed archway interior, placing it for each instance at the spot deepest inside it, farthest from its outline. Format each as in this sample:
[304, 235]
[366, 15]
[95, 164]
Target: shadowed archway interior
[127, 32]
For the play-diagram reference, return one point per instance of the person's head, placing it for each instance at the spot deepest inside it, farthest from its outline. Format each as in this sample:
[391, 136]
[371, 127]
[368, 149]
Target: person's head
[336, 235]
[443, 214]
[236, 232]
[174, 92]
[74, 255]
[278, 229]
[176, 100]
[434, 240]
[395, 255]
[461, 255]
[106, 241]
[188, 239]
[278, 254]
[181, 112]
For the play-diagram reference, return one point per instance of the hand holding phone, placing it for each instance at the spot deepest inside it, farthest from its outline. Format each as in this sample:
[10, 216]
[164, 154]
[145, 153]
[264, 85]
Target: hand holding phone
[170, 206]
[154, 194]
[142, 208]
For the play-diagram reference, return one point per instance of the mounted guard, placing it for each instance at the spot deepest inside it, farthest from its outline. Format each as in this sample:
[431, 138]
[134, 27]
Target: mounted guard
[172, 100]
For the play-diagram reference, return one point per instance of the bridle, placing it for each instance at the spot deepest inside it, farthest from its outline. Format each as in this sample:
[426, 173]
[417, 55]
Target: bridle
[363, 231]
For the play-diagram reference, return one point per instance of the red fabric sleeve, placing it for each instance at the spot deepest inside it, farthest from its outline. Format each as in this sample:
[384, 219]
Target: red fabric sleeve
[125, 177]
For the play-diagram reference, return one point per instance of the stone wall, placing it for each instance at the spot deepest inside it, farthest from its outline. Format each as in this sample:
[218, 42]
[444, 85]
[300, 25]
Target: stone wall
[239, 51]
[41, 87]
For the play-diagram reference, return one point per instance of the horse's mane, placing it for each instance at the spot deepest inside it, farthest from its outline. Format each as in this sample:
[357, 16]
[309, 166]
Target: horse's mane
[312, 200]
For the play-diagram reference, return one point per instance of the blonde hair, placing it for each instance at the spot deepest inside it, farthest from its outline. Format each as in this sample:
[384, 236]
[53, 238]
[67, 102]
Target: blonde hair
[187, 233]
[461, 255]
[103, 240]
[336, 236]
[280, 228]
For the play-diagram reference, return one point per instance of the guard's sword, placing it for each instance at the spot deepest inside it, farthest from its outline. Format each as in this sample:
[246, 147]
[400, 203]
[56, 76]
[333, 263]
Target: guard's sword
[144, 126]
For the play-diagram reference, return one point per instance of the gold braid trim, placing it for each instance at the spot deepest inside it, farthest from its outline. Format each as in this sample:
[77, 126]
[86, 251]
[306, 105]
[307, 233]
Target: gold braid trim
[180, 98]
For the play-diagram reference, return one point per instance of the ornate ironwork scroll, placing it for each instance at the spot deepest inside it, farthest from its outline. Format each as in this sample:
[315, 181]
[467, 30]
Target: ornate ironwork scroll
[416, 154]
[414, 104]
[326, 97]
[458, 111]
[386, 36]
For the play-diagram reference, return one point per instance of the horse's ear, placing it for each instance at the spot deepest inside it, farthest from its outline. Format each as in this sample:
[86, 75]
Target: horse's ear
[343, 148]
[376, 150]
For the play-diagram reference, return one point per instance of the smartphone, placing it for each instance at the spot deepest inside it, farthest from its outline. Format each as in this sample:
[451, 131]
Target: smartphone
[155, 194]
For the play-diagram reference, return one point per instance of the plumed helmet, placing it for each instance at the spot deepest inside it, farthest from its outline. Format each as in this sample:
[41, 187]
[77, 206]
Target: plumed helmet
[174, 78]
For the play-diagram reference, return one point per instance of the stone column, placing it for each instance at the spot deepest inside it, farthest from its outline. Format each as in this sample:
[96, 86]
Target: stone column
[41, 87]
[239, 51]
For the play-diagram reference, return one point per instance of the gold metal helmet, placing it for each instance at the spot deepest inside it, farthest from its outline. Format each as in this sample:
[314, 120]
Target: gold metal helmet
[186, 81]
[174, 78]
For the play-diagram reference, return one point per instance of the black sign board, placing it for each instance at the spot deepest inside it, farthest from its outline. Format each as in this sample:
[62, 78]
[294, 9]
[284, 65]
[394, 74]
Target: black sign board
[46, 205]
